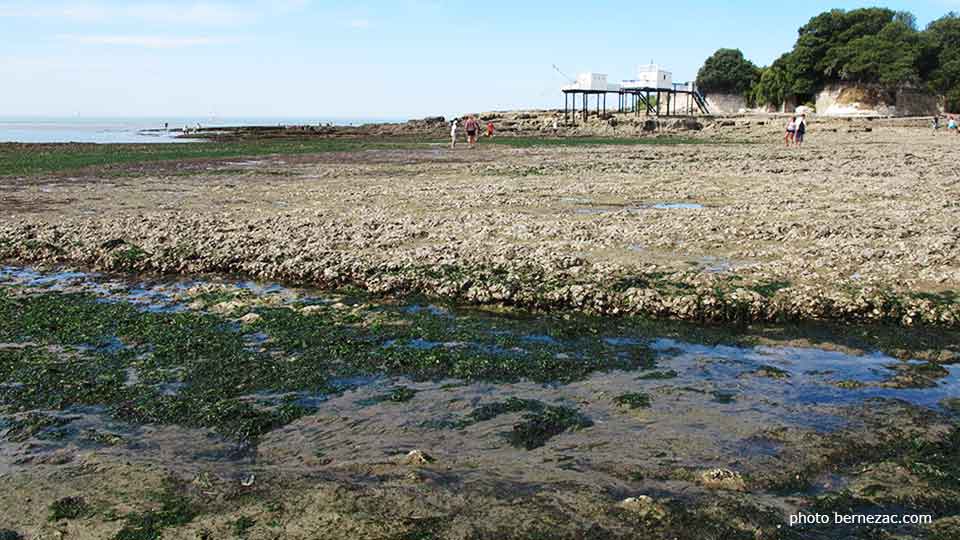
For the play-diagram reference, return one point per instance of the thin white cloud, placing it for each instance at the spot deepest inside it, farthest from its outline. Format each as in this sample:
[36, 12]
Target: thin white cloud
[199, 12]
[152, 42]
[359, 24]
[79, 12]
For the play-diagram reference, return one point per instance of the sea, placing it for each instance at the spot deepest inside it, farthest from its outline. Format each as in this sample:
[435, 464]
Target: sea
[143, 130]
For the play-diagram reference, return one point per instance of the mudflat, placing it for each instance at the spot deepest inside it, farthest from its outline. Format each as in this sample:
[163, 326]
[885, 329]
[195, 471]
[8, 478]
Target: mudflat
[399, 341]
[853, 226]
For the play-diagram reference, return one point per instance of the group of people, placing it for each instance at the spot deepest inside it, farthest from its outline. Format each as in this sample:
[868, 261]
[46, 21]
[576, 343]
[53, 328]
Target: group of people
[952, 123]
[472, 126]
[796, 129]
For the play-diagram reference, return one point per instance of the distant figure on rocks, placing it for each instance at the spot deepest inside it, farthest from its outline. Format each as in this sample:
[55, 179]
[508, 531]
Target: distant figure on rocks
[801, 129]
[935, 123]
[453, 133]
[472, 127]
[791, 130]
[952, 124]
[490, 129]
[555, 126]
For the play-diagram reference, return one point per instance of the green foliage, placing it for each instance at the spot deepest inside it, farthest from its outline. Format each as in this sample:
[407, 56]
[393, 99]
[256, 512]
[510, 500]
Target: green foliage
[727, 72]
[870, 46]
[940, 60]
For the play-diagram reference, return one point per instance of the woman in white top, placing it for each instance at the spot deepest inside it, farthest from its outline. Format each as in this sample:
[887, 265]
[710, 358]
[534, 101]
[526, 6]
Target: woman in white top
[453, 133]
[791, 130]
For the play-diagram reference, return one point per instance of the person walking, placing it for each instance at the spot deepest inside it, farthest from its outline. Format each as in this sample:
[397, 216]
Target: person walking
[791, 130]
[472, 127]
[801, 129]
[453, 133]
[490, 129]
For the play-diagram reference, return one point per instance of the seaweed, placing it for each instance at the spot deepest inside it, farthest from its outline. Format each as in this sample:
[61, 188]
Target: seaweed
[69, 508]
[635, 400]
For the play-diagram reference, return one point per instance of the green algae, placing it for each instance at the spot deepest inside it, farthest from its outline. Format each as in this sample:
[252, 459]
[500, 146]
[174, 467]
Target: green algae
[658, 375]
[539, 426]
[634, 400]
[32, 159]
[69, 508]
[241, 527]
[175, 508]
[196, 369]
[539, 422]
[401, 394]
[33, 424]
[772, 372]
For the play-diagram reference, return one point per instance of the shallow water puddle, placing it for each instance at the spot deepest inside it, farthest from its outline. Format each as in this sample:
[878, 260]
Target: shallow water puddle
[803, 376]
[685, 395]
[595, 209]
[677, 206]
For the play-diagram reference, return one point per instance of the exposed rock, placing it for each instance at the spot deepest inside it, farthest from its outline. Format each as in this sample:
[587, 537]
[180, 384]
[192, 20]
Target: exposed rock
[723, 479]
[644, 506]
[417, 457]
[250, 318]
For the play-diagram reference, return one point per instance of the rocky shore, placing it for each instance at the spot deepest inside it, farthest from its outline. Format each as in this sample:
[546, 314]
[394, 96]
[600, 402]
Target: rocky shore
[540, 123]
[201, 404]
[856, 226]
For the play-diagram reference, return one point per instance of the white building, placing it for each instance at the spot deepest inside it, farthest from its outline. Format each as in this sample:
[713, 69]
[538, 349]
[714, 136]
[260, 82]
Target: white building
[590, 81]
[651, 76]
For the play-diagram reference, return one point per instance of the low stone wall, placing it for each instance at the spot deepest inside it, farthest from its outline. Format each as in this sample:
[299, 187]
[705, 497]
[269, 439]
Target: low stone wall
[726, 103]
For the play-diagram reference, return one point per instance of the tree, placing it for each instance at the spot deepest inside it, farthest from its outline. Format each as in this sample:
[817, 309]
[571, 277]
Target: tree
[775, 83]
[940, 58]
[727, 72]
[889, 57]
[875, 46]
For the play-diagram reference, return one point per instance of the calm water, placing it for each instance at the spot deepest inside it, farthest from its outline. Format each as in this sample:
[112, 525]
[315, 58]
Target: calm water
[138, 130]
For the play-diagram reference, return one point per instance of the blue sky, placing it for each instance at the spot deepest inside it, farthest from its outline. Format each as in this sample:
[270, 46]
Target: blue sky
[404, 58]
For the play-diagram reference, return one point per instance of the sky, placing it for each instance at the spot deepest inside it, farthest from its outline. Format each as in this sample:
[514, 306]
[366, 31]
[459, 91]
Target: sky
[365, 59]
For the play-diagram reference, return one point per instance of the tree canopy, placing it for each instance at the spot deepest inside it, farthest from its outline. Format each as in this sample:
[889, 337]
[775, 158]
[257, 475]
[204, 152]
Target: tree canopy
[728, 72]
[871, 46]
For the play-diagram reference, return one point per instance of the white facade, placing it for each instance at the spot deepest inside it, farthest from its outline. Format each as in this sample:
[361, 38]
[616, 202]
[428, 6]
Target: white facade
[648, 76]
[651, 76]
[590, 81]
